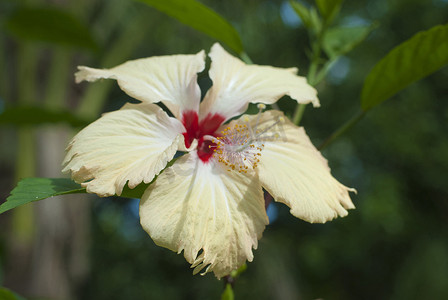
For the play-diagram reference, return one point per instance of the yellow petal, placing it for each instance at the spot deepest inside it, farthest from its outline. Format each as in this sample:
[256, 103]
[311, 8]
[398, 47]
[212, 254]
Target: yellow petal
[215, 216]
[169, 79]
[132, 144]
[236, 84]
[294, 172]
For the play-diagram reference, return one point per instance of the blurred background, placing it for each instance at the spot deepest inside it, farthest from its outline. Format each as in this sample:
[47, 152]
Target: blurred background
[393, 246]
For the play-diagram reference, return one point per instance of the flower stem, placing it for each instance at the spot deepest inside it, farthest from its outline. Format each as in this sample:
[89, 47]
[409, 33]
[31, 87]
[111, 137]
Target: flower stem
[228, 293]
[346, 126]
[298, 113]
[314, 77]
[229, 281]
[300, 107]
[316, 47]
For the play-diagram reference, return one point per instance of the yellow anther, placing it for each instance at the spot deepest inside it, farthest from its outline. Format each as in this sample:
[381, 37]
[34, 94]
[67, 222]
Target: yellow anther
[261, 106]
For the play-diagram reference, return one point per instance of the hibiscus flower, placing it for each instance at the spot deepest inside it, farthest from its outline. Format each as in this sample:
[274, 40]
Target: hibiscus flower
[209, 203]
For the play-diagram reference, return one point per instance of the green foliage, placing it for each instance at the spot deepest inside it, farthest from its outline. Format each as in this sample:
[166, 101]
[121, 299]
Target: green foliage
[52, 25]
[329, 9]
[6, 294]
[338, 41]
[35, 189]
[26, 115]
[201, 18]
[421, 55]
[303, 12]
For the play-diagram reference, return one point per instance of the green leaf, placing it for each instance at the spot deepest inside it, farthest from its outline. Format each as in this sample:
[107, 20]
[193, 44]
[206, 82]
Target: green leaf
[26, 115]
[52, 25]
[329, 9]
[421, 55]
[228, 293]
[338, 41]
[302, 12]
[136, 192]
[6, 294]
[316, 22]
[201, 18]
[35, 189]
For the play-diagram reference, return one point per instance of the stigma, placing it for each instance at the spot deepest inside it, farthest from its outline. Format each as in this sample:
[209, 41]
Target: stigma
[240, 146]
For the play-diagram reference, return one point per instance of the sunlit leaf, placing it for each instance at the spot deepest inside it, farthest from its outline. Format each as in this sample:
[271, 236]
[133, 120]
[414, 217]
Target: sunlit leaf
[329, 9]
[421, 55]
[338, 41]
[38, 115]
[52, 25]
[6, 294]
[201, 18]
[35, 189]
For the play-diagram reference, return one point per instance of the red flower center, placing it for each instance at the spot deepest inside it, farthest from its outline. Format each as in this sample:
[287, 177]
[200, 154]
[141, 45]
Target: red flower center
[197, 130]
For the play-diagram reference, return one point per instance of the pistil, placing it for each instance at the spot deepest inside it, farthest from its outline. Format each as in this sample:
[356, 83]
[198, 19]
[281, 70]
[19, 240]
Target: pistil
[240, 146]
